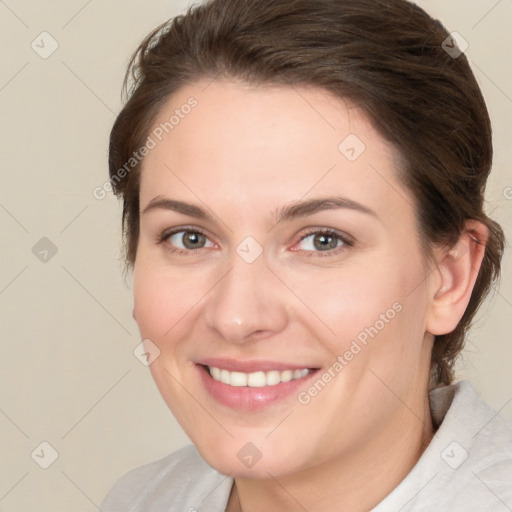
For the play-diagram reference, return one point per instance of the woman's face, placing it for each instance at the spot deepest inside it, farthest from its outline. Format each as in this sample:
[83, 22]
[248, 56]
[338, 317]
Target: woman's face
[274, 237]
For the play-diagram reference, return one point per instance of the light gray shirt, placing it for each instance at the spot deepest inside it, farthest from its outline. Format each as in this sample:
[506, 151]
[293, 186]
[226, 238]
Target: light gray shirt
[467, 467]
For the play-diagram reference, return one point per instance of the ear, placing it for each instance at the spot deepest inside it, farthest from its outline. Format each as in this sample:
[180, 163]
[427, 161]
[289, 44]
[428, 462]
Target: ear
[452, 281]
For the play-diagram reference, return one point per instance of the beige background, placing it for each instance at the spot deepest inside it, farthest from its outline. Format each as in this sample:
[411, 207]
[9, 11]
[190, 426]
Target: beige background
[68, 373]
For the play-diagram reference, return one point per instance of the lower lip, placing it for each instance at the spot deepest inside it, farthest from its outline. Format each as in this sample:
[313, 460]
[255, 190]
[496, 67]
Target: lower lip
[247, 398]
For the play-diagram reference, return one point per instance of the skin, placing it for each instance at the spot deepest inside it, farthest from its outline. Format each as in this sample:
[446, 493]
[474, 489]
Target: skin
[241, 153]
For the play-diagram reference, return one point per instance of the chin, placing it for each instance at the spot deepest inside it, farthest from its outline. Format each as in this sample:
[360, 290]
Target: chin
[244, 459]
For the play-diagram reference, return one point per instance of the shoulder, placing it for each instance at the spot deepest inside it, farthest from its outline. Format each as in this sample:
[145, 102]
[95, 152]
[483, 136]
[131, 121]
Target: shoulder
[182, 479]
[482, 450]
[467, 465]
[473, 448]
[483, 432]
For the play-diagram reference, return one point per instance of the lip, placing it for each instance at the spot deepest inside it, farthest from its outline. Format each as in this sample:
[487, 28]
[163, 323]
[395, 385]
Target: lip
[234, 365]
[246, 398]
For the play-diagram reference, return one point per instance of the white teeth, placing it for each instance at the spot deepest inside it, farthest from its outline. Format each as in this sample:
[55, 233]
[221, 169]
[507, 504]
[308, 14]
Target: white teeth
[224, 376]
[286, 376]
[298, 374]
[256, 379]
[273, 378]
[237, 379]
[215, 373]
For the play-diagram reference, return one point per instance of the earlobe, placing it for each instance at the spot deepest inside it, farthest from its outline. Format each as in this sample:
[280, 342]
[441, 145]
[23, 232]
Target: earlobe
[454, 278]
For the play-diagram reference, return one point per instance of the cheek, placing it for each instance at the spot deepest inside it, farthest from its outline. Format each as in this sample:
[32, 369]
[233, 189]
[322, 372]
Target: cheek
[164, 299]
[163, 305]
[363, 312]
[345, 303]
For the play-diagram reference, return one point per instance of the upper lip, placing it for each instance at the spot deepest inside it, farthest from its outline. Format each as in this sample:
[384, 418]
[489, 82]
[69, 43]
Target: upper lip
[234, 365]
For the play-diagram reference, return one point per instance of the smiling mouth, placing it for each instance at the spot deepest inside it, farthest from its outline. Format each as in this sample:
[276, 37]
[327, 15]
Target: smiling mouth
[257, 379]
[260, 385]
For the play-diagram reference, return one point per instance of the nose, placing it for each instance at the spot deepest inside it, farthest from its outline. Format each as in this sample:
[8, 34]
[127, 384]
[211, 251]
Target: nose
[248, 303]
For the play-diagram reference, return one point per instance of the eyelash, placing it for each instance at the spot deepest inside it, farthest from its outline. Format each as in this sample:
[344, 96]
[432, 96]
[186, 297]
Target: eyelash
[347, 241]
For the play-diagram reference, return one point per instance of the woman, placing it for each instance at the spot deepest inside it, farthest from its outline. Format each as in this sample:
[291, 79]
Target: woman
[303, 187]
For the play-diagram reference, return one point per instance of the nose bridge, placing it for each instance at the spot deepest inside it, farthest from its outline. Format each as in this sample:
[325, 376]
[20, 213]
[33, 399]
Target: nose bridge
[245, 300]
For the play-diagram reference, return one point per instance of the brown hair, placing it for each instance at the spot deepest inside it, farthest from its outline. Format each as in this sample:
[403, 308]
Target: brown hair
[386, 56]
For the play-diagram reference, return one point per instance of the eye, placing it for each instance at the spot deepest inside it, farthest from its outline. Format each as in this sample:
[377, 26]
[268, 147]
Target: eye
[327, 241]
[185, 240]
[188, 241]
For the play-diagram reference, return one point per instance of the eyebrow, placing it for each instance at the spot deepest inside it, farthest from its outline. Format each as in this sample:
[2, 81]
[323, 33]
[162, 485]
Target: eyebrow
[282, 214]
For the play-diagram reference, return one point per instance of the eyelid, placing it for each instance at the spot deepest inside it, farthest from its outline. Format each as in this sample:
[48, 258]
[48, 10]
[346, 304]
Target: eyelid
[331, 231]
[348, 241]
[166, 234]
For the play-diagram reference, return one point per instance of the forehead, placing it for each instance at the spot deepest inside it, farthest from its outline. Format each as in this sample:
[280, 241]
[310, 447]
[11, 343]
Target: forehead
[265, 145]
